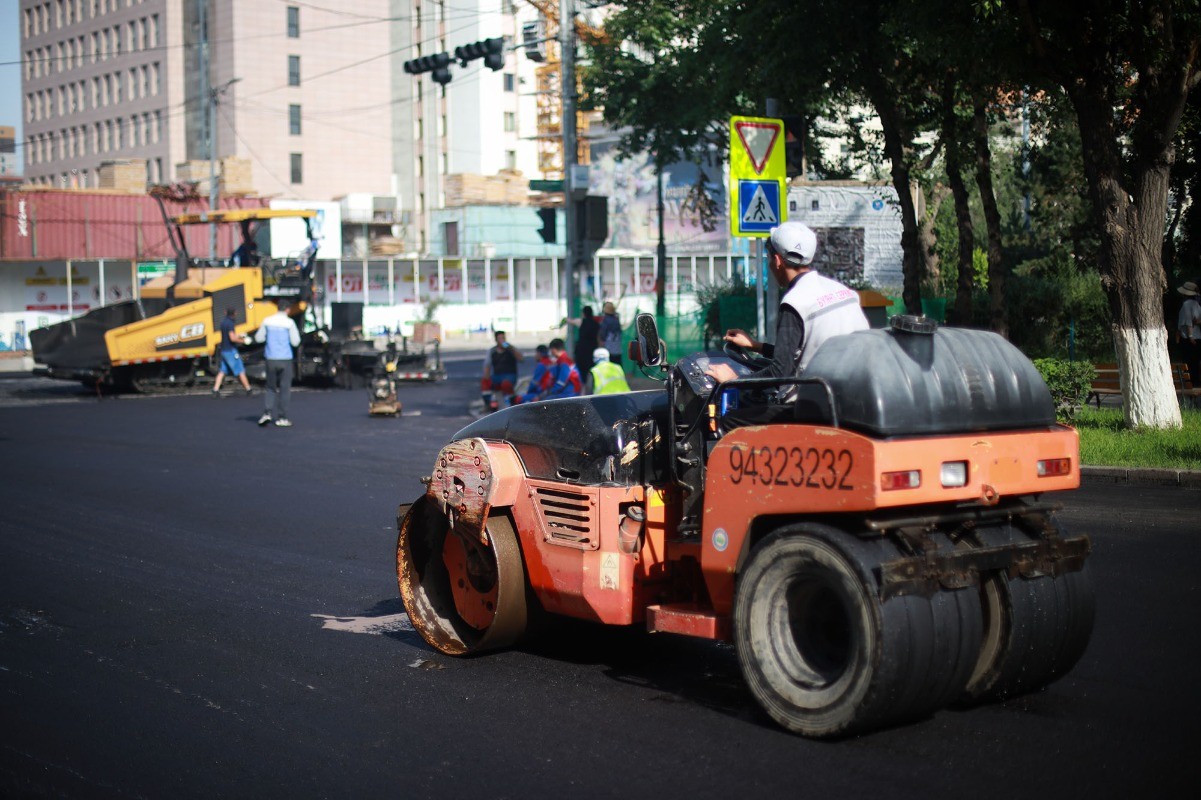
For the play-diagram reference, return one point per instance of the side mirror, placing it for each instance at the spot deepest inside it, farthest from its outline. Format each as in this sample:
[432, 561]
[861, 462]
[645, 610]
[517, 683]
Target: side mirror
[649, 346]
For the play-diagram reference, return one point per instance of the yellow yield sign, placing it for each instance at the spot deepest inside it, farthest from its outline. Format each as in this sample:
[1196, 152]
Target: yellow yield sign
[757, 175]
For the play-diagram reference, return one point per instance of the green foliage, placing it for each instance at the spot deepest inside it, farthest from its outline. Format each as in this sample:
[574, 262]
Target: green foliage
[429, 310]
[1069, 383]
[1044, 305]
[713, 299]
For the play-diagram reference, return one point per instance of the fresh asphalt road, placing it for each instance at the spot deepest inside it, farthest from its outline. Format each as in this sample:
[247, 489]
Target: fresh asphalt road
[192, 606]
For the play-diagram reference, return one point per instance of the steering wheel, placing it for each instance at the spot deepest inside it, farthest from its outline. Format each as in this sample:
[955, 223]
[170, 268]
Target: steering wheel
[744, 355]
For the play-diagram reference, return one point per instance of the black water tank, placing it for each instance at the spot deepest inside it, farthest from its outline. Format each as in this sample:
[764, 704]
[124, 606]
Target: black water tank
[951, 380]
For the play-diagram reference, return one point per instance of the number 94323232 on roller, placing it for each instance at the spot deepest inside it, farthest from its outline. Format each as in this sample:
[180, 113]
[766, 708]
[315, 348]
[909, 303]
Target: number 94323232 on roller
[883, 548]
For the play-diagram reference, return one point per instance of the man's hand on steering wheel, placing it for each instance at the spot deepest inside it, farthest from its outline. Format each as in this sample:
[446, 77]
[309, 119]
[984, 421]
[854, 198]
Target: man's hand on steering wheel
[741, 347]
[739, 337]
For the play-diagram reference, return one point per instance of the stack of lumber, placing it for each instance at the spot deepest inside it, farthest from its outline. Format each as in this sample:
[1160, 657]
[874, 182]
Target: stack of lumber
[196, 172]
[236, 176]
[507, 188]
[124, 175]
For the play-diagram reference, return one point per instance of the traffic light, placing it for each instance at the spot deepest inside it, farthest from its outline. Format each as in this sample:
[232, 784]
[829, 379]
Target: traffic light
[491, 50]
[592, 215]
[547, 231]
[794, 145]
[533, 36]
[437, 65]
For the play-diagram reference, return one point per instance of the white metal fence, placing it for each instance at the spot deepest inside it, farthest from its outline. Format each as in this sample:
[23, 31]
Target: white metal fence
[517, 294]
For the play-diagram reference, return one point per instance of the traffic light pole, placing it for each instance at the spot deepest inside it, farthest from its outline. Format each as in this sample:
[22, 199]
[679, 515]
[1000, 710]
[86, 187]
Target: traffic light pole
[568, 94]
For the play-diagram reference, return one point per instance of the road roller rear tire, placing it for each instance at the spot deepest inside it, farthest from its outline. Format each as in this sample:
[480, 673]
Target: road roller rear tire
[825, 656]
[1036, 629]
[462, 596]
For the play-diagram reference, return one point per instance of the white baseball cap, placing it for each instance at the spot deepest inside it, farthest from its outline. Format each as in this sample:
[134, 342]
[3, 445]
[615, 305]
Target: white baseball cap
[795, 243]
[600, 354]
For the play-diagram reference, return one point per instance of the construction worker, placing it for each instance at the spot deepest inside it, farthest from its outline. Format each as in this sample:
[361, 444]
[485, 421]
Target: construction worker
[606, 377]
[565, 378]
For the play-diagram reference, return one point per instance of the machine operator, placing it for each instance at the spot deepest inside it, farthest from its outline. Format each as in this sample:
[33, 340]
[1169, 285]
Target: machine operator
[814, 308]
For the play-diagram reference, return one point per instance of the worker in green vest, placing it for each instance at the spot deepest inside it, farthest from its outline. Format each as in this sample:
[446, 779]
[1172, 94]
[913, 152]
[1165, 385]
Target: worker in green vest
[606, 377]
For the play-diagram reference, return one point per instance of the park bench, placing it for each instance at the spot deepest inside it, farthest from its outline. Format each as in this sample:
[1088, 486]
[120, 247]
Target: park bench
[1106, 382]
[1187, 388]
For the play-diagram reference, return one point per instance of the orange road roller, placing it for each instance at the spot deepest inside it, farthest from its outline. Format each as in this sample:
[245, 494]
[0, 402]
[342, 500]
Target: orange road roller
[880, 546]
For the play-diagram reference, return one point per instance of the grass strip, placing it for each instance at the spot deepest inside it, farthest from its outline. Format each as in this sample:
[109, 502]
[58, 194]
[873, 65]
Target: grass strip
[1106, 442]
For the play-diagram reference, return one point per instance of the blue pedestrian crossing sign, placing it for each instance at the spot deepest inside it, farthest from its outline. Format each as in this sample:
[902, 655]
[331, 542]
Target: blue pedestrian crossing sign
[758, 206]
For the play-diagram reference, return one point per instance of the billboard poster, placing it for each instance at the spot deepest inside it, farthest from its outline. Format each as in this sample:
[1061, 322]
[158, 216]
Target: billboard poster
[695, 218]
[50, 290]
[476, 285]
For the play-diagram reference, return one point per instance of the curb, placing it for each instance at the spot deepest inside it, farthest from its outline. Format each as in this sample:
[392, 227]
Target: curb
[1182, 478]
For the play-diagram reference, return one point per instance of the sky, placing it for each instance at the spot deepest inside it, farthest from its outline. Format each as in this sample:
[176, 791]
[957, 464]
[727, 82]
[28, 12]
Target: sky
[10, 69]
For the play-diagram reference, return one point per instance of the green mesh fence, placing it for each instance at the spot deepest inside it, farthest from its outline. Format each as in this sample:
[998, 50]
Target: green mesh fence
[682, 334]
[737, 312]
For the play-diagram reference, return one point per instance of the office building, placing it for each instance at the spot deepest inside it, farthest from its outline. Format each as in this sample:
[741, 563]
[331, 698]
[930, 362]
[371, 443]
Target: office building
[312, 95]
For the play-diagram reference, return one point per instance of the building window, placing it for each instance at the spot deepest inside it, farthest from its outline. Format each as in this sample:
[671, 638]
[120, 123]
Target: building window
[294, 119]
[293, 70]
[293, 22]
[420, 166]
[510, 121]
[297, 160]
[510, 159]
[510, 82]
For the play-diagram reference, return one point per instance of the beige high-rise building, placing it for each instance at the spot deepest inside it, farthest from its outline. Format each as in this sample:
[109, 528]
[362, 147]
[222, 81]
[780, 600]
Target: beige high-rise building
[312, 96]
[106, 80]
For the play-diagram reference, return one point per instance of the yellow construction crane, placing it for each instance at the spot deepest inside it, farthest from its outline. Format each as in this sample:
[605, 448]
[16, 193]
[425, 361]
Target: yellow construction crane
[549, 99]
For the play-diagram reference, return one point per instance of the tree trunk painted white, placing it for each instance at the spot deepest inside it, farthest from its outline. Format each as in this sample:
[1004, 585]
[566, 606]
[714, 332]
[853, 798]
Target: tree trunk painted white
[1148, 394]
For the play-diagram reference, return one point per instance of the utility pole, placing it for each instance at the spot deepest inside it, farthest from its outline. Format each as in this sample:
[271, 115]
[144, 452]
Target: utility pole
[215, 94]
[771, 290]
[210, 119]
[568, 94]
[661, 254]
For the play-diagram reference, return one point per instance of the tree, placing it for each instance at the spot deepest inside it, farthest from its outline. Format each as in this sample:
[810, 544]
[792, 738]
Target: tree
[1128, 68]
[952, 133]
[670, 69]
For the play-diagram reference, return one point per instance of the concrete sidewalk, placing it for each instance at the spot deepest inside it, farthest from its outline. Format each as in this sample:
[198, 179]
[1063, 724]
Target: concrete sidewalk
[16, 361]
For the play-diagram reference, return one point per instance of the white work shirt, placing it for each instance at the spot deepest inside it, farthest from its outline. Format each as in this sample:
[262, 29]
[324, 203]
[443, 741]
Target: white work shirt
[827, 308]
[280, 334]
[1190, 315]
